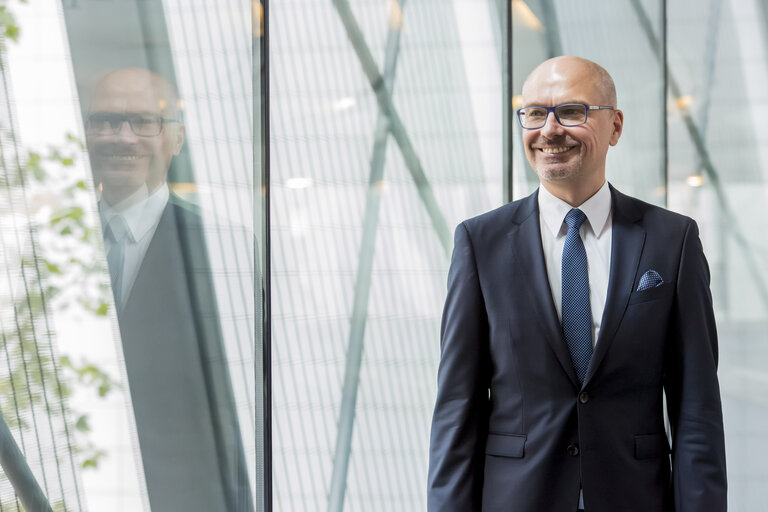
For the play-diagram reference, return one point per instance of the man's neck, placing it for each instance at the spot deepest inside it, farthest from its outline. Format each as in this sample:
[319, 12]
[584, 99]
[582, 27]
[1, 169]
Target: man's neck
[575, 194]
[121, 199]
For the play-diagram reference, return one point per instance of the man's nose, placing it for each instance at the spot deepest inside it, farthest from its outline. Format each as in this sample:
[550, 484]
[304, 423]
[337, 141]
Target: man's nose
[551, 126]
[124, 130]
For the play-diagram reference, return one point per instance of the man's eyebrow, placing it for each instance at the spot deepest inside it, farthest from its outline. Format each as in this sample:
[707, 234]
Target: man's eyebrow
[544, 104]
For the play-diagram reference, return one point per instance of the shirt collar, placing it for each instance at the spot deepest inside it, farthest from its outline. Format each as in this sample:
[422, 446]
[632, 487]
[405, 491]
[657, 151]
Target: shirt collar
[597, 209]
[141, 210]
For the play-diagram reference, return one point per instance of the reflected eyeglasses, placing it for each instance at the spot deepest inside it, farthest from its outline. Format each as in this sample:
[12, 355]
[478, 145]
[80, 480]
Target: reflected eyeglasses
[143, 125]
[567, 114]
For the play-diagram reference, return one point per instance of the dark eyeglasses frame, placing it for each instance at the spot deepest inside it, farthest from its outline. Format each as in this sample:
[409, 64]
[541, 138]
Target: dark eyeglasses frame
[123, 118]
[553, 110]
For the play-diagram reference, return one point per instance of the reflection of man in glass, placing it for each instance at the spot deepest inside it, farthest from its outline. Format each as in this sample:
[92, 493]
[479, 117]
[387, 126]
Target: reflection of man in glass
[176, 366]
[133, 132]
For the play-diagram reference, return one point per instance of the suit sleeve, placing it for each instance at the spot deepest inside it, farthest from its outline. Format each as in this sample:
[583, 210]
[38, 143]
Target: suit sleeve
[460, 420]
[692, 389]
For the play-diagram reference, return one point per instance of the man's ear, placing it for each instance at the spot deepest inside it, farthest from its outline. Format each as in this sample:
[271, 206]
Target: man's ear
[177, 138]
[618, 126]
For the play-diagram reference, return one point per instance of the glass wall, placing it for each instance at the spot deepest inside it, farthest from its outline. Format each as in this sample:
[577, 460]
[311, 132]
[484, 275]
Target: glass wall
[718, 174]
[386, 131]
[133, 213]
[159, 228]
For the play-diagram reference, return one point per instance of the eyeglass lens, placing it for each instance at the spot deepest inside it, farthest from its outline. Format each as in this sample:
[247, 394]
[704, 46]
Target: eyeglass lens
[568, 115]
[109, 124]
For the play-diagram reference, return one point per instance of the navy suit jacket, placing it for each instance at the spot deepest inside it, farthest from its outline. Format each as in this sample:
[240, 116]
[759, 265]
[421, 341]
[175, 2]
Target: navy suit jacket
[513, 430]
[178, 374]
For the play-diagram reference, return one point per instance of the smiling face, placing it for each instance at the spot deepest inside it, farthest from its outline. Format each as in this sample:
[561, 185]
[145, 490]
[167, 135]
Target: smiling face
[122, 162]
[571, 157]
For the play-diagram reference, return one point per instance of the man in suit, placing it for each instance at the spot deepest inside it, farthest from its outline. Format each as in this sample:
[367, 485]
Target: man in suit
[570, 314]
[177, 370]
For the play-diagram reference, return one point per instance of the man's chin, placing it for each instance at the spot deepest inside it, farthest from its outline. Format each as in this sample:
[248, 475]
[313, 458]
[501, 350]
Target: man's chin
[556, 172]
[120, 173]
[120, 183]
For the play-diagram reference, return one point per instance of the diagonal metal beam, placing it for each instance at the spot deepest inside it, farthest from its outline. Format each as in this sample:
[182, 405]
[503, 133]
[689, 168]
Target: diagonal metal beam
[735, 229]
[17, 470]
[363, 283]
[396, 128]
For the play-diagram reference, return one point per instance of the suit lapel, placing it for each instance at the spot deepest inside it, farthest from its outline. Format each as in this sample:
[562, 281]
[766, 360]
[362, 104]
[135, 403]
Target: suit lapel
[528, 261]
[626, 247]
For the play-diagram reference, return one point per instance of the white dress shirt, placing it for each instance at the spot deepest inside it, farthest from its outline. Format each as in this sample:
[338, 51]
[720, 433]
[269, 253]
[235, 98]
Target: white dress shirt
[141, 212]
[596, 233]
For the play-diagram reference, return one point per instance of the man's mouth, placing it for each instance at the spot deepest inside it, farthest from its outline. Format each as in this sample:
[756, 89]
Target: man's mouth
[555, 150]
[118, 157]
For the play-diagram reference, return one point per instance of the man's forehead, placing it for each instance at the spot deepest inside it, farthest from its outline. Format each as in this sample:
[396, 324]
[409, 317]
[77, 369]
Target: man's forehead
[133, 89]
[129, 98]
[566, 80]
[557, 94]
[558, 89]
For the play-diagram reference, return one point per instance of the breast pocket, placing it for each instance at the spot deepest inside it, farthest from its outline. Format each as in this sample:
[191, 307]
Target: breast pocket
[663, 291]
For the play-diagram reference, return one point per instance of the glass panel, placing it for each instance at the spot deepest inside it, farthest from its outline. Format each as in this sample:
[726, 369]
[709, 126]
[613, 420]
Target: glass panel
[367, 187]
[718, 170]
[546, 28]
[132, 309]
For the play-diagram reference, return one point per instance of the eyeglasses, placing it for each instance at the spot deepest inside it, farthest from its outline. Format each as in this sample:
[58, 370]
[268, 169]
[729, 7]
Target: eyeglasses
[567, 114]
[143, 125]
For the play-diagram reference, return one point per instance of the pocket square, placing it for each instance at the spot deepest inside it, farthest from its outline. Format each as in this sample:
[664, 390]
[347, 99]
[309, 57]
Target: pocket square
[651, 279]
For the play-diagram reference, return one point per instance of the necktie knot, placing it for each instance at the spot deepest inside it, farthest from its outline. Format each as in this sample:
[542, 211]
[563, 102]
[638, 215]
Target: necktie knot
[116, 229]
[575, 218]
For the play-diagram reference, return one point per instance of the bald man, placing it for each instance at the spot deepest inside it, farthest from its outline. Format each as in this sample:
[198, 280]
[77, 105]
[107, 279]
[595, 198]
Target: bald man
[187, 425]
[570, 315]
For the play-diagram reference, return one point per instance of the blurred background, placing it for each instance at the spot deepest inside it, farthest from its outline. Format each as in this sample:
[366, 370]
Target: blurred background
[332, 146]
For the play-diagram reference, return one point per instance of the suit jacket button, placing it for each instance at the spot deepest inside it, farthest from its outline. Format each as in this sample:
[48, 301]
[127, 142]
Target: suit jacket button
[573, 449]
[583, 397]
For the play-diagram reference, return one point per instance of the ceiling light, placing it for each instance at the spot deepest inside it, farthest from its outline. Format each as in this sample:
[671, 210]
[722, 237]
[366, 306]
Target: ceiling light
[298, 182]
[521, 10]
[344, 103]
[684, 101]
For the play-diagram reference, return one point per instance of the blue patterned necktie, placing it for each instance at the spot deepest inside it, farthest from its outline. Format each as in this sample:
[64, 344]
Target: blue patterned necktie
[115, 232]
[577, 313]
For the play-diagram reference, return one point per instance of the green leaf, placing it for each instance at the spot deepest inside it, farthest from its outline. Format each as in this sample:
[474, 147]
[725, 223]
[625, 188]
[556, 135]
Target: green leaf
[103, 309]
[52, 267]
[12, 32]
[93, 461]
[73, 213]
[67, 162]
[82, 424]
[8, 23]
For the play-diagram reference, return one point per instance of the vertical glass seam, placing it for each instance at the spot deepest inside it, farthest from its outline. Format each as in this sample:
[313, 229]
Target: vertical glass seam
[267, 250]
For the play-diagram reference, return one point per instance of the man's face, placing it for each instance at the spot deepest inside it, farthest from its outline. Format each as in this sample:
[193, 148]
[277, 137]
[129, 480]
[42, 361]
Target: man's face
[558, 153]
[124, 161]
